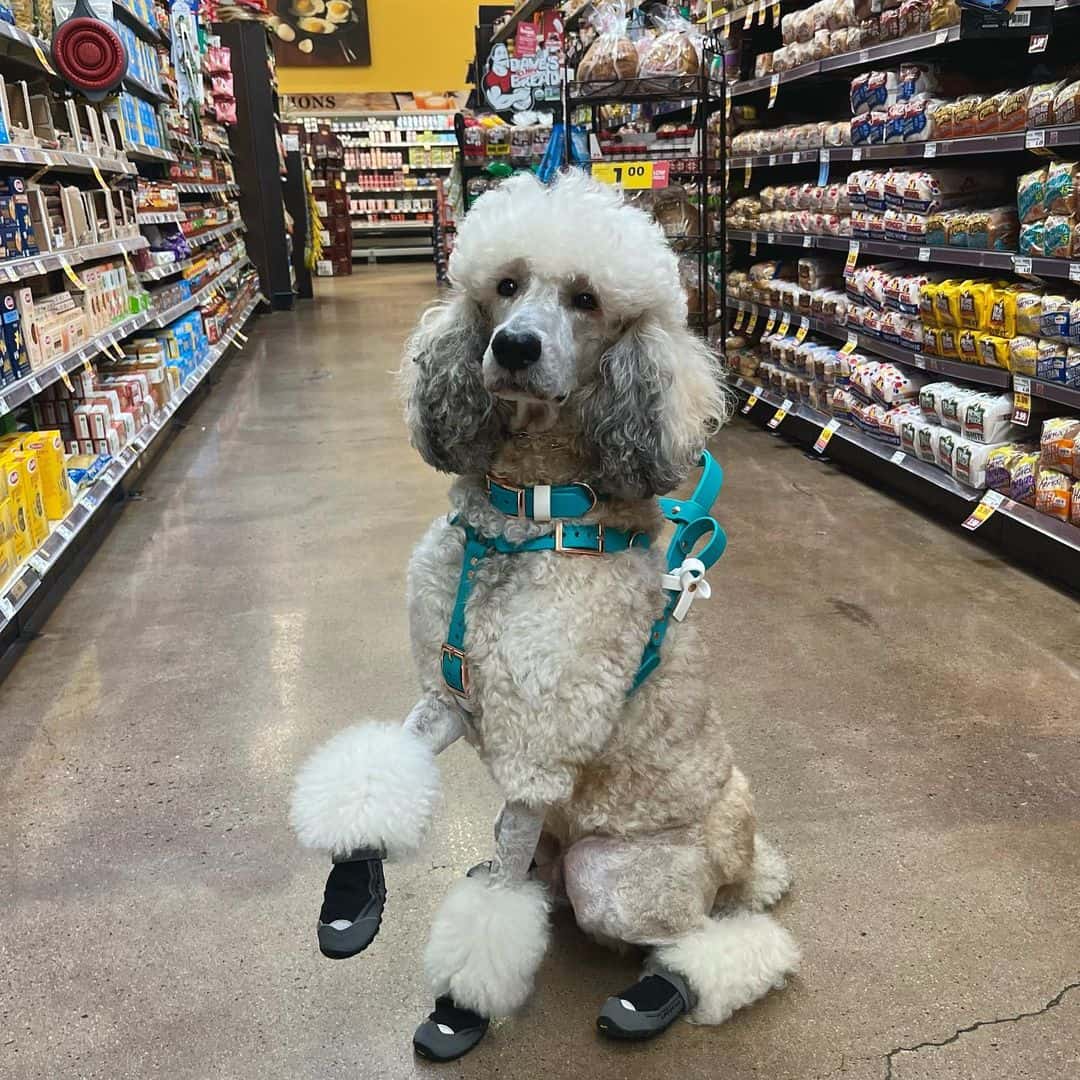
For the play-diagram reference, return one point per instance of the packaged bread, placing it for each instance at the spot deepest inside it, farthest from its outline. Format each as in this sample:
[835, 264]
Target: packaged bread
[1031, 238]
[967, 346]
[931, 340]
[1050, 365]
[1001, 318]
[1024, 356]
[676, 49]
[1041, 104]
[612, 55]
[994, 351]
[1059, 444]
[914, 17]
[1029, 310]
[1067, 104]
[1053, 493]
[953, 403]
[1054, 318]
[988, 114]
[1023, 470]
[988, 419]
[925, 439]
[1072, 368]
[970, 460]
[965, 115]
[1031, 196]
[996, 229]
[1057, 236]
[999, 464]
[957, 229]
[947, 302]
[973, 304]
[943, 14]
[945, 442]
[1061, 182]
[930, 397]
[1074, 511]
[1013, 113]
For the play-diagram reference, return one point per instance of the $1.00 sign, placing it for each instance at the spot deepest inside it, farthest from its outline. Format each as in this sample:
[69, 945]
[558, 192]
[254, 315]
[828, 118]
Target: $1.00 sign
[632, 174]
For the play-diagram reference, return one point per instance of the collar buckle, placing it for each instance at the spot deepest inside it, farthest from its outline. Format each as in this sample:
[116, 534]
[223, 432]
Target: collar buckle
[562, 549]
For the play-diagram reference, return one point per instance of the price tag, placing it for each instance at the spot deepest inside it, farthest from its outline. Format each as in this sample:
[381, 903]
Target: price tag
[65, 378]
[898, 457]
[796, 157]
[772, 159]
[772, 320]
[1074, 271]
[987, 505]
[852, 258]
[71, 275]
[748, 168]
[827, 433]
[1037, 43]
[752, 321]
[930, 149]
[778, 416]
[774, 89]
[99, 178]
[40, 562]
[35, 386]
[39, 267]
[1035, 140]
[918, 361]
[850, 345]
[856, 153]
[1021, 400]
[770, 237]
[87, 366]
[41, 58]
[1021, 264]
[942, 37]
[753, 244]
[785, 324]
[632, 175]
[924, 254]
[804, 329]
[776, 12]
[739, 316]
[752, 400]
[7, 608]
[823, 168]
[65, 530]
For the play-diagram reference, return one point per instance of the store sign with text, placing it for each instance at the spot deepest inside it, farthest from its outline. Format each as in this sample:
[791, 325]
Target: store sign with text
[513, 83]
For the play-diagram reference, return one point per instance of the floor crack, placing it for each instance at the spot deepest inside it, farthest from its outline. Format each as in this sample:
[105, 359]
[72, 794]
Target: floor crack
[955, 1036]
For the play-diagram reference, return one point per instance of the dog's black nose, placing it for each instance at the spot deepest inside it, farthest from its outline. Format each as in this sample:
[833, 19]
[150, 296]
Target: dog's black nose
[515, 350]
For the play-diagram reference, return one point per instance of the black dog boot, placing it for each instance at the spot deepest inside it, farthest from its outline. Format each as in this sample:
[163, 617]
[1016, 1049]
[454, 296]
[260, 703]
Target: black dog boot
[649, 1007]
[352, 904]
[449, 1032]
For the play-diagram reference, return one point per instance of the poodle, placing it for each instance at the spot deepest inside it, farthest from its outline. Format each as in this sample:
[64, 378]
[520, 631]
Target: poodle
[561, 387]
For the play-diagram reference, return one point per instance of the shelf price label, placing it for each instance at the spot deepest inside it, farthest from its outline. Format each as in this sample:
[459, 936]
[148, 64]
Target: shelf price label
[898, 457]
[850, 345]
[780, 414]
[776, 12]
[930, 150]
[773, 315]
[827, 432]
[748, 169]
[1037, 43]
[752, 321]
[71, 275]
[804, 329]
[856, 153]
[987, 505]
[852, 258]
[1074, 271]
[753, 244]
[924, 254]
[785, 324]
[823, 168]
[739, 316]
[632, 175]
[774, 89]
[1021, 264]
[752, 400]
[1021, 400]
[1035, 140]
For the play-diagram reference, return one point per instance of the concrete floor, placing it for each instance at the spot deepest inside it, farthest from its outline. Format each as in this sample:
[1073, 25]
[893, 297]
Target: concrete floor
[905, 704]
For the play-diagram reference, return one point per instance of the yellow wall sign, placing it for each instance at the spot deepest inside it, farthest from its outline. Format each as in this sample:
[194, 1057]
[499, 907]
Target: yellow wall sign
[632, 175]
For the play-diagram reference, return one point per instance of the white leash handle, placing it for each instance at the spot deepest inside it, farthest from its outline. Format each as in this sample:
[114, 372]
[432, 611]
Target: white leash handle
[689, 580]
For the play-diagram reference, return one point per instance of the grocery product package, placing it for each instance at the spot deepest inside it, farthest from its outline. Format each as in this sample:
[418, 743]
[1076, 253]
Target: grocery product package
[999, 463]
[1053, 493]
[1029, 310]
[1031, 196]
[1060, 192]
[1023, 469]
[612, 55]
[1057, 236]
[1013, 113]
[1074, 511]
[987, 418]
[1067, 104]
[954, 403]
[1060, 444]
[1041, 104]
[930, 399]
[676, 50]
[970, 460]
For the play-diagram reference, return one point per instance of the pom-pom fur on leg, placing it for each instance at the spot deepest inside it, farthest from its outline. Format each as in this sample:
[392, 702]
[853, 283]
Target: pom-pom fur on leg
[731, 962]
[486, 943]
[372, 785]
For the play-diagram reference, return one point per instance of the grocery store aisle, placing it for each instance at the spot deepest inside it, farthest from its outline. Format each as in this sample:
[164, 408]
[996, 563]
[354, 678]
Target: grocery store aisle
[904, 703]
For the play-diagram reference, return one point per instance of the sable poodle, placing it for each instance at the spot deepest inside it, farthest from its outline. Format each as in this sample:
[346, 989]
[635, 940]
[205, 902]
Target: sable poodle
[561, 357]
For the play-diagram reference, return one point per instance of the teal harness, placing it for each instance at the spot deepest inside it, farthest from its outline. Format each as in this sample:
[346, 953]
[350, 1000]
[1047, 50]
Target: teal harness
[683, 581]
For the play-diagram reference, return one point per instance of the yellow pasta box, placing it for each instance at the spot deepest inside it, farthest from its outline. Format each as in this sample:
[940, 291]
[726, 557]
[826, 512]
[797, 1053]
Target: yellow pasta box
[16, 488]
[27, 466]
[48, 447]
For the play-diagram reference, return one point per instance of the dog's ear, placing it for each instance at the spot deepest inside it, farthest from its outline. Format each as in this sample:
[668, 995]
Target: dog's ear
[654, 401]
[453, 420]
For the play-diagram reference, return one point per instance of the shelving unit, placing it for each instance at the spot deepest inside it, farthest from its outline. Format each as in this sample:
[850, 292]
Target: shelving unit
[818, 91]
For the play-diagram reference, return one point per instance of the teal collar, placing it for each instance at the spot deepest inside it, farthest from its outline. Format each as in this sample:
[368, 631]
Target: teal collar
[541, 502]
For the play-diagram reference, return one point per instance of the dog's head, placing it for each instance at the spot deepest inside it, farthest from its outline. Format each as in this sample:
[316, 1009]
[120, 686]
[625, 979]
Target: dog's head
[567, 314]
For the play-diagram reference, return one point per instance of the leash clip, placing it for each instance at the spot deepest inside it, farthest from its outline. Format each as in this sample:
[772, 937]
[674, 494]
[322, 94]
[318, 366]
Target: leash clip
[689, 580]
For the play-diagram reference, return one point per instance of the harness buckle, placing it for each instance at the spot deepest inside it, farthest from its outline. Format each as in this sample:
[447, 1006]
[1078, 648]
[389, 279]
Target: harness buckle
[562, 549]
[449, 652]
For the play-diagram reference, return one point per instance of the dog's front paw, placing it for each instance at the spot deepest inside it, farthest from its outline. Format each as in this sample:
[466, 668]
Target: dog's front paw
[352, 906]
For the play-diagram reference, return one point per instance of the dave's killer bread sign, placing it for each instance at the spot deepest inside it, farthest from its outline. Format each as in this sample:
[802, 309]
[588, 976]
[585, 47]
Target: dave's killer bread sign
[533, 73]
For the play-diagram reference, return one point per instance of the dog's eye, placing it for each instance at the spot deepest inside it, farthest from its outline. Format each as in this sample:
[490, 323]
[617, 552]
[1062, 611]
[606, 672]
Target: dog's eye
[585, 301]
[507, 287]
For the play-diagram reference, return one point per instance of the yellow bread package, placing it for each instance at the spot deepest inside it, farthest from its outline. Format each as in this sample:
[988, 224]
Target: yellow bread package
[1024, 356]
[928, 293]
[994, 351]
[973, 304]
[967, 346]
[55, 489]
[947, 302]
[16, 489]
[931, 340]
[8, 562]
[948, 347]
[26, 464]
[1002, 317]
[1029, 311]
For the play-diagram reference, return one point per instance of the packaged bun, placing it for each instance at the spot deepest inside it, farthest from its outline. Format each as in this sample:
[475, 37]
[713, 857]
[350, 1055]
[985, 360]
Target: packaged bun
[965, 114]
[1041, 104]
[612, 55]
[1067, 104]
[988, 114]
[1013, 113]
[677, 48]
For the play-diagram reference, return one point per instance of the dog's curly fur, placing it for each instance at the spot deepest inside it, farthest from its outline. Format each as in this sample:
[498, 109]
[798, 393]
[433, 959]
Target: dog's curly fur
[639, 792]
